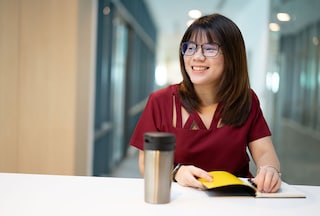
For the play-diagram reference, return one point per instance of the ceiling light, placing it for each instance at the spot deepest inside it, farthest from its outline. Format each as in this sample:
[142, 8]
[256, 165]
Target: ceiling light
[274, 27]
[283, 17]
[194, 14]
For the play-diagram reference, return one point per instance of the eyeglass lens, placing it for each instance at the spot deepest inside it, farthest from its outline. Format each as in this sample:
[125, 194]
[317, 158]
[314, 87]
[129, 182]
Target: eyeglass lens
[208, 50]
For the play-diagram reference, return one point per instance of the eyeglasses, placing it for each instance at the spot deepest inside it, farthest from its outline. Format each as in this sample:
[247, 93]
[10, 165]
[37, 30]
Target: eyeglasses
[208, 50]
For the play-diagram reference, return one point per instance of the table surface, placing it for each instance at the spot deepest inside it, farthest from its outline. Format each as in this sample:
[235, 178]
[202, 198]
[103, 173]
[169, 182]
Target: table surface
[30, 194]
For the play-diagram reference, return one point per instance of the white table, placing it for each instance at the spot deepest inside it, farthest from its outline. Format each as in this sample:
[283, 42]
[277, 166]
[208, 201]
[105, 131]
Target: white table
[27, 194]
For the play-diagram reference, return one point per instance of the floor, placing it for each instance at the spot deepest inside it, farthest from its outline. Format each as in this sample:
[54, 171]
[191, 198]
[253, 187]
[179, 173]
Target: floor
[128, 167]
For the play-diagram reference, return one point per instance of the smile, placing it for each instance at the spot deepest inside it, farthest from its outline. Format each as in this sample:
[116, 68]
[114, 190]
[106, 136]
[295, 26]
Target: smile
[199, 68]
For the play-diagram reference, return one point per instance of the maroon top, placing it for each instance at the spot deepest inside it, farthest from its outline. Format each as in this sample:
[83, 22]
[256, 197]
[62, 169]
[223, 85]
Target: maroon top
[216, 148]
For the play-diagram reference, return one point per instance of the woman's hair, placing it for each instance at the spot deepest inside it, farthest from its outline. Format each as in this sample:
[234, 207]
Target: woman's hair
[233, 93]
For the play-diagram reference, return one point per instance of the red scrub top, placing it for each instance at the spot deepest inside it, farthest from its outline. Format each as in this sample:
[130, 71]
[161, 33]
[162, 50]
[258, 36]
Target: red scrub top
[216, 148]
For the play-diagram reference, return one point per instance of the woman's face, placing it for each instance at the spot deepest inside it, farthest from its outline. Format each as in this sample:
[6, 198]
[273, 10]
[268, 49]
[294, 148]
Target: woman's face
[203, 70]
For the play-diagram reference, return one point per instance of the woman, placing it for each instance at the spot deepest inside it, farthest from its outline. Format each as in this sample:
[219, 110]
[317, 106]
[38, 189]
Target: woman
[213, 112]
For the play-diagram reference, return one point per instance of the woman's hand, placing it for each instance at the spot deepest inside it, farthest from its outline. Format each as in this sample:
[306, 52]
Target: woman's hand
[264, 155]
[188, 175]
[268, 179]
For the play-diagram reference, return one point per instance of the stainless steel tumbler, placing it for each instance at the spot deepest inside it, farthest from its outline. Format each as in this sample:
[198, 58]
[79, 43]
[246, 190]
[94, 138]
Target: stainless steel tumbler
[158, 162]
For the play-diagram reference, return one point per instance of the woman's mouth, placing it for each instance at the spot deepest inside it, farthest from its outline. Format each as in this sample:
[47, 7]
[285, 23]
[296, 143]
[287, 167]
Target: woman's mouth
[199, 68]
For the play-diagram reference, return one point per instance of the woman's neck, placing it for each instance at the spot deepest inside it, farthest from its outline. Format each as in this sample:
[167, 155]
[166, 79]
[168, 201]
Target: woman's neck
[207, 95]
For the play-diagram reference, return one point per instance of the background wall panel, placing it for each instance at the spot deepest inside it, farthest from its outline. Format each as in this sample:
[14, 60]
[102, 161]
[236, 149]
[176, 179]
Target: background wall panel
[9, 58]
[40, 86]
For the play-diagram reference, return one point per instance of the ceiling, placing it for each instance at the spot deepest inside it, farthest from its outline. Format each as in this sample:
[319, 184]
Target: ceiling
[171, 17]
[302, 13]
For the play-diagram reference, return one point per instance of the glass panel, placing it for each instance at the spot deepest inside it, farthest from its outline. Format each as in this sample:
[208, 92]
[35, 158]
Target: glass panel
[300, 69]
[118, 71]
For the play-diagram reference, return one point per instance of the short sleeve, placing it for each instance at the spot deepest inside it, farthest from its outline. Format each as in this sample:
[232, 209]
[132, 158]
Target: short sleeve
[149, 122]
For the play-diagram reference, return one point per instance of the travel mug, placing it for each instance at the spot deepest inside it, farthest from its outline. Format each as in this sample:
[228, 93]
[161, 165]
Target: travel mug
[158, 163]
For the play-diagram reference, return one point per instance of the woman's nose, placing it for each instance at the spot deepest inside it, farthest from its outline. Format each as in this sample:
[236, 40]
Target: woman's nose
[199, 54]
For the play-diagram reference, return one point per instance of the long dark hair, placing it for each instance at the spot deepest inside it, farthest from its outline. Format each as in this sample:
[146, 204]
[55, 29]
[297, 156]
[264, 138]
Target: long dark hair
[233, 93]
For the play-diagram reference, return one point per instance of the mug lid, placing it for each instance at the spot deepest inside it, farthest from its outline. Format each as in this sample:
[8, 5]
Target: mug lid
[159, 141]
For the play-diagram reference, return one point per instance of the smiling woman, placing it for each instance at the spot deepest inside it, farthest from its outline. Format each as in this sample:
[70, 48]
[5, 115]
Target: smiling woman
[213, 112]
[228, 85]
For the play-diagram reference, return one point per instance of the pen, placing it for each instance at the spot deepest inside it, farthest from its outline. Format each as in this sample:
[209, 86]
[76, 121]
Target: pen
[252, 182]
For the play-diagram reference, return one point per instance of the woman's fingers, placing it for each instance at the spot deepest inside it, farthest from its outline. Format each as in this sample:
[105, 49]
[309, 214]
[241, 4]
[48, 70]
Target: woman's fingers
[268, 180]
[188, 176]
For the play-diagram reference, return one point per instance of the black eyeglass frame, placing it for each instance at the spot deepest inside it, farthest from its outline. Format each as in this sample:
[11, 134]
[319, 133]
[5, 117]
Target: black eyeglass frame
[185, 45]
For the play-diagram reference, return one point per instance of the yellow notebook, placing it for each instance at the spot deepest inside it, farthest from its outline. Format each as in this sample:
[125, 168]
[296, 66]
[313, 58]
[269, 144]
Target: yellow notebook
[227, 184]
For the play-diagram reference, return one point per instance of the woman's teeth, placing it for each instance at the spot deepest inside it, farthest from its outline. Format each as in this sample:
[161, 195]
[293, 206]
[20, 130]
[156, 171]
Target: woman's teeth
[199, 68]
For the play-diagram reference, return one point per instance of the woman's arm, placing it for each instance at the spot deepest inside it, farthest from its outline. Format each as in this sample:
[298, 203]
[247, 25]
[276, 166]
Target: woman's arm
[268, 165]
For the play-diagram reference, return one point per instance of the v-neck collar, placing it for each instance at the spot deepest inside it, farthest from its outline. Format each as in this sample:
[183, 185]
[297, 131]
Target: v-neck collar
[194, 117]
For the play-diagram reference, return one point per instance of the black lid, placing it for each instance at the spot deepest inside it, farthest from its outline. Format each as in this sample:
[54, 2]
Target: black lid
[159, 141]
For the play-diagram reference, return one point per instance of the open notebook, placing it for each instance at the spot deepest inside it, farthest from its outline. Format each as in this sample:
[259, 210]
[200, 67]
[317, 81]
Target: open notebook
[227, 184]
